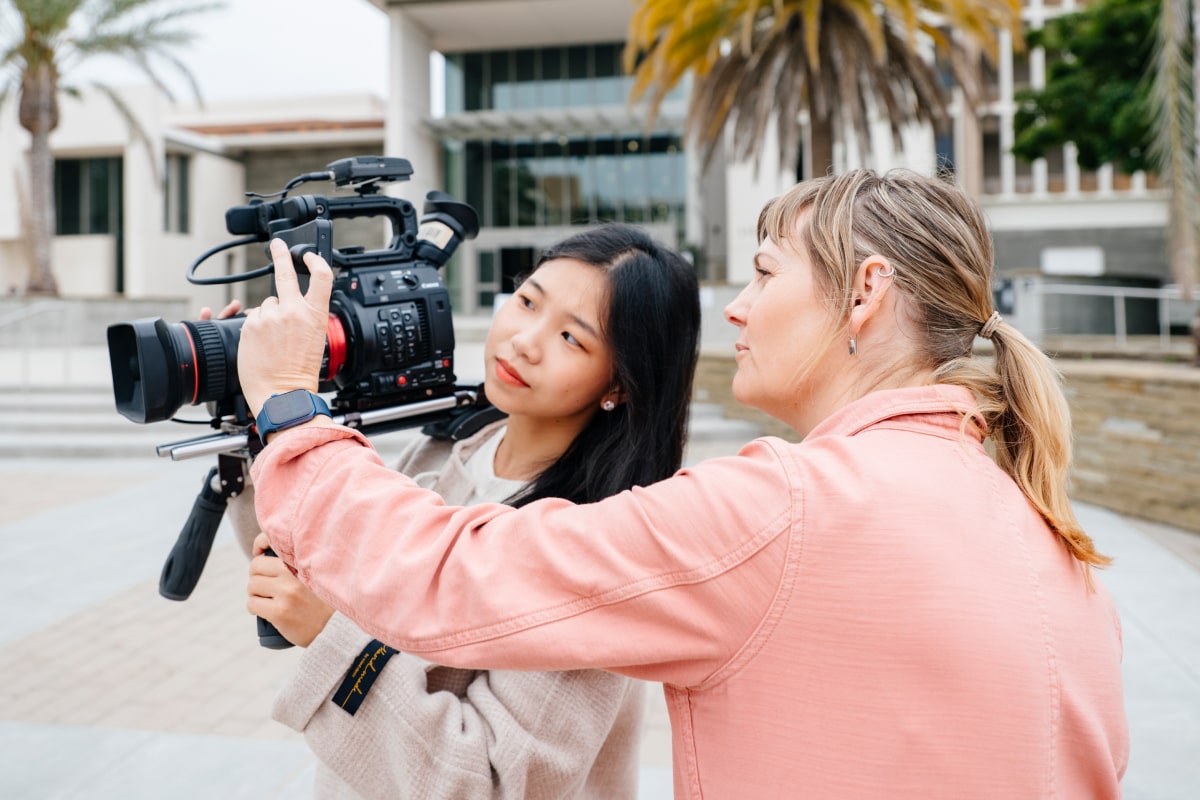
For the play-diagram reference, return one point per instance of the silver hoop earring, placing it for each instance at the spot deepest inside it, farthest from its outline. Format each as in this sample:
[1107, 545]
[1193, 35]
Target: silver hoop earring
[853, 345]
[890, 272]
[608, 405]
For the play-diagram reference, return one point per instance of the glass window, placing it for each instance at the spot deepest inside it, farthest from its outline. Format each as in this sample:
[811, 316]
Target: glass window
[87, 196]
[564, 181]
[475, 173]
[581, 164]
[177, 194]
[608, 84]
[608, 180]
[98, 195]
[503, 185]
[579, 76]
[552, 77]
[528, 194]
[556, 184]
[475, 82]
[504, 94]
[554, 87]
[633, 180]
[68, 195]
[454, 75]
[526, 94]
[487, 267]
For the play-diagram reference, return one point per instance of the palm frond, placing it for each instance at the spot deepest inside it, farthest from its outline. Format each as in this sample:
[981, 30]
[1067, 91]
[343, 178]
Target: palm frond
[1174, 144]
[839, 60]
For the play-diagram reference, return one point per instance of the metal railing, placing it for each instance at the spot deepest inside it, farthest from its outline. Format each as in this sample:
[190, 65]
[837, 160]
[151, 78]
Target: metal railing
[1164, 296]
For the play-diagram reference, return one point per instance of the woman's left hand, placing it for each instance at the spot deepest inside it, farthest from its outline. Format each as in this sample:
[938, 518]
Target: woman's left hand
[283, 340]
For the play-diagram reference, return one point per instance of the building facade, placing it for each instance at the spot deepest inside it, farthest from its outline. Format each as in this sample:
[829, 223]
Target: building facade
[532, 126]
[520, 108]
[133, 214]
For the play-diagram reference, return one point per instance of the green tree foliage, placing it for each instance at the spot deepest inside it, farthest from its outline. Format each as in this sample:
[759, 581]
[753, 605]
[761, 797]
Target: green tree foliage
[1120, 87]
[1098, 92]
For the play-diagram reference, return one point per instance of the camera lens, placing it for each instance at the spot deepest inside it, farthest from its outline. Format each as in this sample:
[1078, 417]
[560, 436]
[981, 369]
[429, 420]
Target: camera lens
[157, 367]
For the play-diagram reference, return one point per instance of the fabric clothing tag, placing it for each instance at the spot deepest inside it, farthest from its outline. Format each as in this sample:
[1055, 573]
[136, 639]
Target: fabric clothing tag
[362, 675]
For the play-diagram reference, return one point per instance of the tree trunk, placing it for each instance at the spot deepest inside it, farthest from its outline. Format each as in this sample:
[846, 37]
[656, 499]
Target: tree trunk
[39, 116]
[820, 147]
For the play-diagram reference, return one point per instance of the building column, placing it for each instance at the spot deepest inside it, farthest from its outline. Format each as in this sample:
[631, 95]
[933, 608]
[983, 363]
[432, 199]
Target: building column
[408, 106]
[1008, 162]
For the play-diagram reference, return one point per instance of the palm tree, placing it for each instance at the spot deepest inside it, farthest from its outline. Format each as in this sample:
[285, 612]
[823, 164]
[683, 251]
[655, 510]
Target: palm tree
[834, 59]
[48, 38]
[1172, 81]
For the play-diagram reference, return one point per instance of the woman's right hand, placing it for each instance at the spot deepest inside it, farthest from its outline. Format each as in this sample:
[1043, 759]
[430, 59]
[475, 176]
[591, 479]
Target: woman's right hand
[228, 311]
[278, 596]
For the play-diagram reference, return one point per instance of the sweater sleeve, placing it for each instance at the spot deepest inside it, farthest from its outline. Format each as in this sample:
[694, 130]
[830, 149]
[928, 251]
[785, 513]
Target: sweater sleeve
[665, 583]
[506, 735]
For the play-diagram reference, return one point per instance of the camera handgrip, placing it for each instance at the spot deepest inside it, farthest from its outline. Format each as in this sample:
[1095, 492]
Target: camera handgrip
[268, 635]
[187, 558]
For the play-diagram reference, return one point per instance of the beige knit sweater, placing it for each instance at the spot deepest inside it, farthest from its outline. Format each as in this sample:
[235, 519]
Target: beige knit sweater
[425, 731]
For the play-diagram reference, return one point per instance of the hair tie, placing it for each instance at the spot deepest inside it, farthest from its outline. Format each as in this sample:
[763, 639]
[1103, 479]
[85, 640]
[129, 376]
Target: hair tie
[990, 326]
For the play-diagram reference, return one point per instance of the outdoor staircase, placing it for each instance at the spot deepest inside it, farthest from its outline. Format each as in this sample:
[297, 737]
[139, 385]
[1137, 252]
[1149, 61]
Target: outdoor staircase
[82, 422]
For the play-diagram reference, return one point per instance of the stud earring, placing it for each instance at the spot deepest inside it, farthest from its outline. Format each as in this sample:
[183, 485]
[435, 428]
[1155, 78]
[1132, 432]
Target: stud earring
[608, 405]
[853, 345]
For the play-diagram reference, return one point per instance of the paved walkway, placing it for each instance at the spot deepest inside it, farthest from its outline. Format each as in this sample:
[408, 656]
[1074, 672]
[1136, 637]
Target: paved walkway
[109, 691]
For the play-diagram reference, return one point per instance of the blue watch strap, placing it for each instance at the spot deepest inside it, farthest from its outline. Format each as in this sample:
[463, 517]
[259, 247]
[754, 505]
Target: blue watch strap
[288, 409]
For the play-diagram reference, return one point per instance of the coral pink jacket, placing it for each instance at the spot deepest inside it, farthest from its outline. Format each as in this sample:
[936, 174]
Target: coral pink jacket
[875, 612]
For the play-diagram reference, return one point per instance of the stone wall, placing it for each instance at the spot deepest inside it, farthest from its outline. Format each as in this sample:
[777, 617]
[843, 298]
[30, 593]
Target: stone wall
[1137, 438]
[1137, 432]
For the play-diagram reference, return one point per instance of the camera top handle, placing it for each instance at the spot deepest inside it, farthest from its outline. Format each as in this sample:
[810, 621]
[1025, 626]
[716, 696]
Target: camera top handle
[264, 220]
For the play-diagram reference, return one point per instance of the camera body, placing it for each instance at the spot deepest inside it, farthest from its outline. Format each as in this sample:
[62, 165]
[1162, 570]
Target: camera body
[390, 335]
[398, 316]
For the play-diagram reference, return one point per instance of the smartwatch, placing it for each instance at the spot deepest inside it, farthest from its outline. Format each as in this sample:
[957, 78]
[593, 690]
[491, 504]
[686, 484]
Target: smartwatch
[287, 410]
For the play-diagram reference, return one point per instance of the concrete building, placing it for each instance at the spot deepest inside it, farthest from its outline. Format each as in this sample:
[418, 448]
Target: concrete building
[519, 107]
[134, 213]
[534, 129]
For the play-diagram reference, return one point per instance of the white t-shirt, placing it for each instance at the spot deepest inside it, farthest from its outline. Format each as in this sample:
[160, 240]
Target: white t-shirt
[481, 467]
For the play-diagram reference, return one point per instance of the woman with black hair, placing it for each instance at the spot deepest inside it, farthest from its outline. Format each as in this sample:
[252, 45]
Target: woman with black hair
[592, 361]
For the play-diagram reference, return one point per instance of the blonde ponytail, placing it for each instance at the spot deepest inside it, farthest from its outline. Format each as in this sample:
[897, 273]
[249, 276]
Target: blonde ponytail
[1028, 419]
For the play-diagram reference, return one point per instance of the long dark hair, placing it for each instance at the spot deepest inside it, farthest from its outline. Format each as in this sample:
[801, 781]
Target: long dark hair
[653, 329]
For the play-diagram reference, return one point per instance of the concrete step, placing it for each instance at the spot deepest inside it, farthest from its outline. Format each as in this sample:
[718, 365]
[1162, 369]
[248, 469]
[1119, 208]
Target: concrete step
[84, 423]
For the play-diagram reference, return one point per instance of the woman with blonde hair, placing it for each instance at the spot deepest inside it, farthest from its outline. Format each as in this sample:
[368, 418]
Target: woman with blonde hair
[882, 610]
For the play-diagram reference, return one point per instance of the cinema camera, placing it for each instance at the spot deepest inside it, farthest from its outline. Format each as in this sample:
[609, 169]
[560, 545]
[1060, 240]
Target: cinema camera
[389, 353]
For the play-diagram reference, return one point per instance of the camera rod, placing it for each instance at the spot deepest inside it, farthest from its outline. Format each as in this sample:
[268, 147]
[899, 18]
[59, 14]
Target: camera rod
[361, 420]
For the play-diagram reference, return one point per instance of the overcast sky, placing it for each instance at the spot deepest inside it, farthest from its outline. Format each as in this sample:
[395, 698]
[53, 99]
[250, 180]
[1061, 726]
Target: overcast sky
[273, 48]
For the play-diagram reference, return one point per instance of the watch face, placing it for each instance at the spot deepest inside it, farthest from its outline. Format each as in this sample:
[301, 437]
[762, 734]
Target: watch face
[289, 406]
